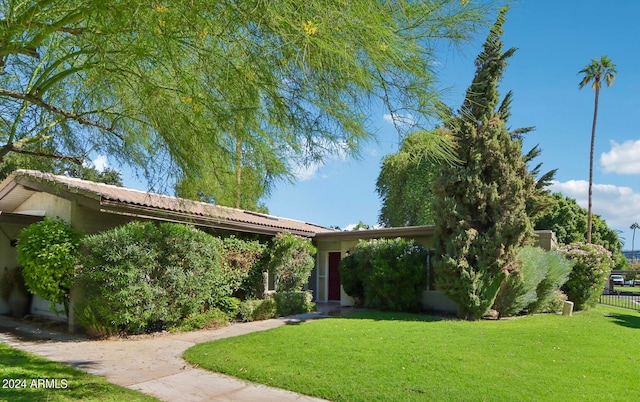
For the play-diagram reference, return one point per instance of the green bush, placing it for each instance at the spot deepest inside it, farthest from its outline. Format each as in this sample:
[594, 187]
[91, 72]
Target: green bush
[518, 290]
[291, 260]
[398, 276]
[209, 319]
[354, 269]
[228, 305]
[243, 262]
[555, 303]
[589, 274]
[558, 268]
[513, 287]
[257, 310]
[48, 251]
[387, 274]
[142, 277]
[289, 303]
[534, 286]
[92, 322]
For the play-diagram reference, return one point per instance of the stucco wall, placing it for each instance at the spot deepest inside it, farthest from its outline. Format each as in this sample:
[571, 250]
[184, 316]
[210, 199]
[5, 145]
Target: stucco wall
[91, 221]
[52, 205]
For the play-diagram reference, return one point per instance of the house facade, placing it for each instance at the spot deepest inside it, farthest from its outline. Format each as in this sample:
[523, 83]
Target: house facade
[333, 246]
[27, 196]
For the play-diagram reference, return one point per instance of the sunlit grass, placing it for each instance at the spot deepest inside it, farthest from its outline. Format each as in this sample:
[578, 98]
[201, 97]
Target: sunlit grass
[386, 356]
[24, 368]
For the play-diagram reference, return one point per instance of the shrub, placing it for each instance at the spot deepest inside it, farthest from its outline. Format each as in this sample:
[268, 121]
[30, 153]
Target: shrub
[587, 278]
[558, 269]
[388, 274]
[228, 305]
[48, 251]
[354, 269]
[518, 290]
[289, 303]
[555, 303]
[512, 288]
[534, 286]
[398, 275]
[291, 260]
[209, 319]
[257, 310]
[243, 265]
[91, 318]
[142, 277]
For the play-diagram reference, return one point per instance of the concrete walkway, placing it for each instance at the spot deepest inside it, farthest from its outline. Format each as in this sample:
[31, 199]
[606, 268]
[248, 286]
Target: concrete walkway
[153, 364]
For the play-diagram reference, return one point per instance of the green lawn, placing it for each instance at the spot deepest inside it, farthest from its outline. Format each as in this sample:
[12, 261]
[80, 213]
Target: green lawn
[18, 370]
[627, 289]
[593, 355]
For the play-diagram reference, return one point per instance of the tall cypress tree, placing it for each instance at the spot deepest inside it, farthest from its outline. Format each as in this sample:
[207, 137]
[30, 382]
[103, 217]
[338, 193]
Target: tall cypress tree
[480, 203]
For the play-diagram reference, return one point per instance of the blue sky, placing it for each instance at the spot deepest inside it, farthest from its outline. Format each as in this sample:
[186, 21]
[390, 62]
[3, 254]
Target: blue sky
[555, 40]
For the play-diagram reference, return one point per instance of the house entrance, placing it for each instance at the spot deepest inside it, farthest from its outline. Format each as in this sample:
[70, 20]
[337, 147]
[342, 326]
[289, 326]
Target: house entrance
[334, 276]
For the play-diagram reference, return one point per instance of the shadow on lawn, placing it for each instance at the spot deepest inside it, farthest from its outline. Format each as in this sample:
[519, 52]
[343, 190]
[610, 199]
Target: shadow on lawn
[626, 320]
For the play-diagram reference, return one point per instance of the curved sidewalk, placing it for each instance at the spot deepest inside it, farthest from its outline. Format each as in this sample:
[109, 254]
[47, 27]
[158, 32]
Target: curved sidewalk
[153, 364]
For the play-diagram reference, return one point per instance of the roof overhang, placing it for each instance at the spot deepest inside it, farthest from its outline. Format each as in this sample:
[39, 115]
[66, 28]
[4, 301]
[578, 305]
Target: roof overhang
[406, 231]
[143, 212]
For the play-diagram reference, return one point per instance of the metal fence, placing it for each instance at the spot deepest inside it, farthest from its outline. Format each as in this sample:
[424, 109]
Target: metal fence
[625, 299]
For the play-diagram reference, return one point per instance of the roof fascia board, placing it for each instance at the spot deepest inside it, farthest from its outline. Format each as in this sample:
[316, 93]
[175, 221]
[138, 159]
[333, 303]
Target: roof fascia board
[407, 231]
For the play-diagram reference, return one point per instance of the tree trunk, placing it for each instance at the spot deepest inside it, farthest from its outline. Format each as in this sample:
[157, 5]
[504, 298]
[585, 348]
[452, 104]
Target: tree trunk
[593, 139]
[238, 171]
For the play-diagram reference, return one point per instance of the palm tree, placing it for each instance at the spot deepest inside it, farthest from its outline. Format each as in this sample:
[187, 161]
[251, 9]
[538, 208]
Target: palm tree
[634, 226]
[595, 72]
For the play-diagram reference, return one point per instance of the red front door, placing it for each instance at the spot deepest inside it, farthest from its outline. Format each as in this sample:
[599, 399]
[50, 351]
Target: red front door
[334, 276]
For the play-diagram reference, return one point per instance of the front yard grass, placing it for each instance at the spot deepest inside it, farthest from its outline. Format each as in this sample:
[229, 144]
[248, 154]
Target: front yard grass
[20, 372]
[389, 356]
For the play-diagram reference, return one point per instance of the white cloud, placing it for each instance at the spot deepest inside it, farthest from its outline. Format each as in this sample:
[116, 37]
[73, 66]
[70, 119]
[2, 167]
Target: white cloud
[622, 158]
[400, 119]
[308, 170]
[618, 205]
[100, 163]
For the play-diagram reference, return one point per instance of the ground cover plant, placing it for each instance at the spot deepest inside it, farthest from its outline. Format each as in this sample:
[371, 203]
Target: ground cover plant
[396, 356]
[16, 364]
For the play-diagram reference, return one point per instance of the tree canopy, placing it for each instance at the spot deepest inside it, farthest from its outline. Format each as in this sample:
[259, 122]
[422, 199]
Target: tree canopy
[480, 203]
[214, 95]
[595, 72]
[568, 221]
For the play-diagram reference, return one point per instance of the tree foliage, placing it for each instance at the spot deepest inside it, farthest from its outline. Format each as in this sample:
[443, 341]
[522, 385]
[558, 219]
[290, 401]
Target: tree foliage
[480, 202]
[406, 180]
[14, 162]
[222, 95]
[568, 221]
[595, 72]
